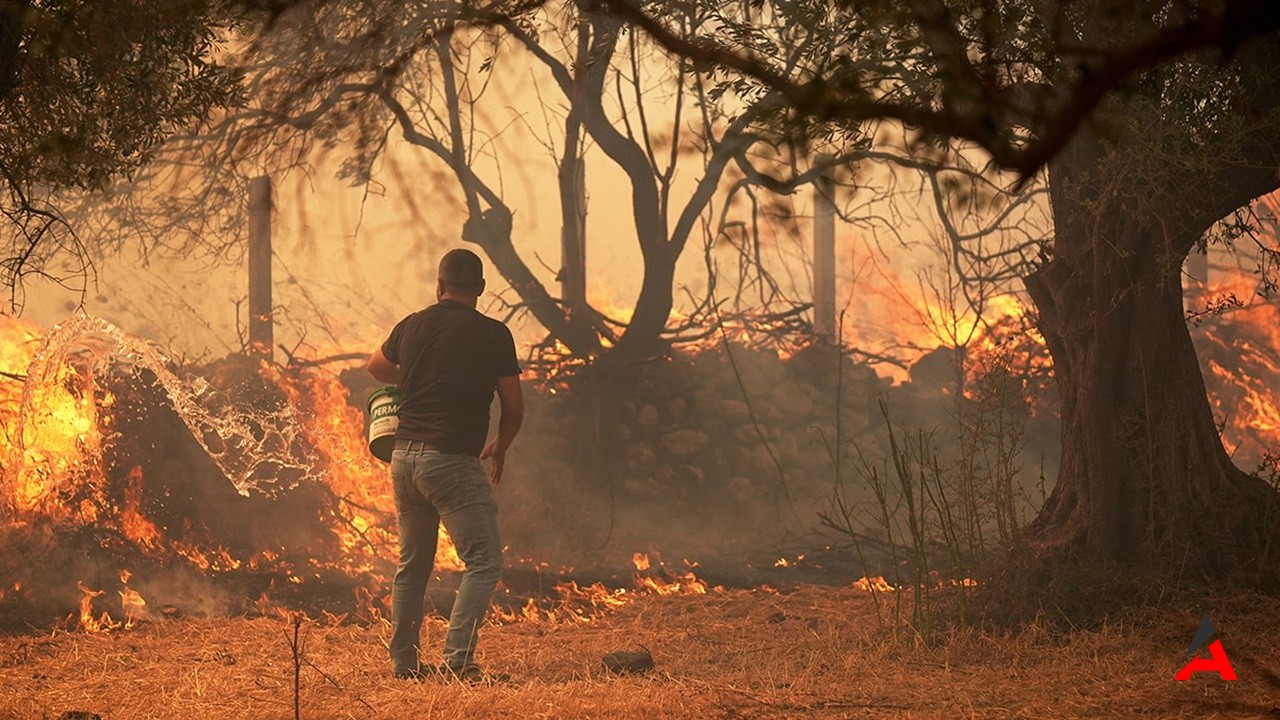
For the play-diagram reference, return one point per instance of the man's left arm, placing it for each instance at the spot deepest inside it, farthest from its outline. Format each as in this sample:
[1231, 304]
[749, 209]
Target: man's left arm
[511, 402]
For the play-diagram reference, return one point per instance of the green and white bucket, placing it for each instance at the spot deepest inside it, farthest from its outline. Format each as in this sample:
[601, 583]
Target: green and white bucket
[384, 418]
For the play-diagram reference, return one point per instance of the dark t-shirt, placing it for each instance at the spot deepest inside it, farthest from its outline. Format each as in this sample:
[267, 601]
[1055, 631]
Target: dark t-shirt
[450, 357]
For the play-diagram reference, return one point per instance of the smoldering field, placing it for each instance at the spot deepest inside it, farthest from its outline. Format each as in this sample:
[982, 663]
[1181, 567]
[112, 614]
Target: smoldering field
[814, 652]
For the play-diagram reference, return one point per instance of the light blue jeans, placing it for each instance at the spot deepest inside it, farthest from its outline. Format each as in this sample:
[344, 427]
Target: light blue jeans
[431, 487]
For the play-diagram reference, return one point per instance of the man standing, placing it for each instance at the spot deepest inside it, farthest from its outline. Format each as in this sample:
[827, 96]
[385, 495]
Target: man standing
[448, 360]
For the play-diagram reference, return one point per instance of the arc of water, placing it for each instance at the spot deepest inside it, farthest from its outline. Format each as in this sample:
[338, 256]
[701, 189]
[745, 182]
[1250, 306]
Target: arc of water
[254, 445]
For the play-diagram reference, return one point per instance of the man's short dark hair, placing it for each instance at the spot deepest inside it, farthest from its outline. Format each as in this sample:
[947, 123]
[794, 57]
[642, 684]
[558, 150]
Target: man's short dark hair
[462, 270]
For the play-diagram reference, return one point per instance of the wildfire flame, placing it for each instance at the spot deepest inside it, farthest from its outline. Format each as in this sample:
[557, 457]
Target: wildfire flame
[132, 522]
[336, 430]
[652, 575]
[51, 429]
[89, 623]
[574, 603]
[873, 584]
[130, 601]
[132, 606]
[1236, 326]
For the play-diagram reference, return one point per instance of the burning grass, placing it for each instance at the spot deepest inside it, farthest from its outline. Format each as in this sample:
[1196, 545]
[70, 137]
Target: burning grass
[815, 652]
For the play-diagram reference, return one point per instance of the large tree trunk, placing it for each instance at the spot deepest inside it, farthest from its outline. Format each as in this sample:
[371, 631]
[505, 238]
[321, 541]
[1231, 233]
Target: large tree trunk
[1144, 479]
[1144, 475]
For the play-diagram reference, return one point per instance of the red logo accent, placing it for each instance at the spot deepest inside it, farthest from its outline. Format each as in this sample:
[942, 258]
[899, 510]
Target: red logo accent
[1216, 662]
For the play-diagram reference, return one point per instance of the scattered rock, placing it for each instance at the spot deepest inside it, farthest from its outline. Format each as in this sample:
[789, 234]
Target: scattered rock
[734, 411]
[788, 446]
[706, 400]
[673, 410]
[640, 458]
[647, 417]
[761, 462]
[746, 434]
[792, 402]
[693, 474]
[684, 443]
[742, 489]
[626, 662]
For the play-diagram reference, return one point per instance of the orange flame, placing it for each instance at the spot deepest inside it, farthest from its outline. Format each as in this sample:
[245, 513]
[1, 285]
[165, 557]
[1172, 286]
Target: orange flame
[89, 623]
[1236, 327]
[132, 523]
[652, 575]
[336, 430]
[51, 428]
[130, 601]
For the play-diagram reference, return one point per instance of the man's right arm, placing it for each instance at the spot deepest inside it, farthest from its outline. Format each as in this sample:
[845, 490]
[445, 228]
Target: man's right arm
[384, 363]
[382, 369]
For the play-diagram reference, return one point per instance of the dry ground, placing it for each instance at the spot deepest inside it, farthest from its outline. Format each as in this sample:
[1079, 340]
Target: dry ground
[816, 652]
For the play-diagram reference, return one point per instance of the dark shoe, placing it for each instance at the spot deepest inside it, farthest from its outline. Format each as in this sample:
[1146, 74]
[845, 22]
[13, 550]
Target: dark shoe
[439, 670]
[407, 675]
[425, 672]
[473, 675]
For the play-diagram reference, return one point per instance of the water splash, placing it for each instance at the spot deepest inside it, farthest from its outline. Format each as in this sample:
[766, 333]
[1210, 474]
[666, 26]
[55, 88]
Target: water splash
[57, 435]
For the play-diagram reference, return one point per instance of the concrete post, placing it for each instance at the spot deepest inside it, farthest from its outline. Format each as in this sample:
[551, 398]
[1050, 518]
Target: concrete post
[260, 326]
[824, 253]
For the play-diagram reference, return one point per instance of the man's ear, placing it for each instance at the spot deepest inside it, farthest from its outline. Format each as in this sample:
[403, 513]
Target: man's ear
[439, 289]
[480, 289]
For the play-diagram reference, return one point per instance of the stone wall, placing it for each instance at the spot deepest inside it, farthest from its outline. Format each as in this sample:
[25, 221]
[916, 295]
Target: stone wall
[713, 453]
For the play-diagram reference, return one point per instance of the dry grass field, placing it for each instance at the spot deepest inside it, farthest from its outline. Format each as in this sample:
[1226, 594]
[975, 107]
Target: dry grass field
[814, 652]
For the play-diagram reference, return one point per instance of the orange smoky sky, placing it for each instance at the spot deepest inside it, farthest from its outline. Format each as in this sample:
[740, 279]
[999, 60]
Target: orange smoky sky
[350, 261]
